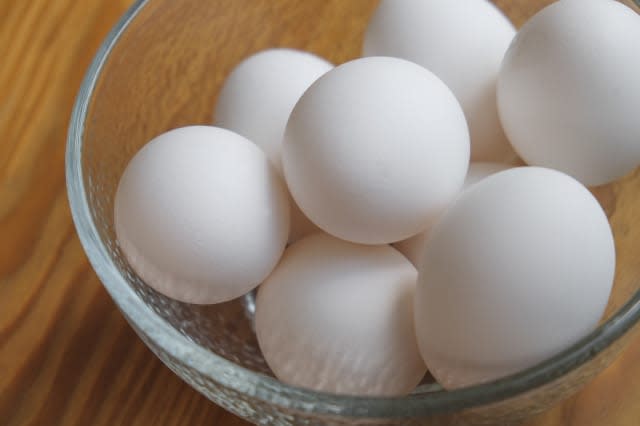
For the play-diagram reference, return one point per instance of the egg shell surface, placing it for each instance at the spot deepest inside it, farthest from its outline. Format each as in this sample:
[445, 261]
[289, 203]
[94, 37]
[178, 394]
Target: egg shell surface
[568, 91]
[519, 268]
[337, 317]
[375, 149]
[201, 215]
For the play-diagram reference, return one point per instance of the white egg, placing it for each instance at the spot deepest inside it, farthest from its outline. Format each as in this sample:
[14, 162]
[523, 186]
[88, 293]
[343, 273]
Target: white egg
[201, 215]
[412, 247]
[518, 269]
[462, 42]
[568, 91]
[375, 149]
[337, 317]
[256, 100]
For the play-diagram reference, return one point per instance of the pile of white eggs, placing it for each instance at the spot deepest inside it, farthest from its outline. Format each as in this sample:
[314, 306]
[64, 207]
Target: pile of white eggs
[376, 203]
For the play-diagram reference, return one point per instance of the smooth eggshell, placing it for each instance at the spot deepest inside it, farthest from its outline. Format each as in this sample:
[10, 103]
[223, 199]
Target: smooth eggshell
[518, 269]
[462, 42]
[568, 91]
[375, 149]
[337, 317]
[201, 215]
[412, 247]
[256, 100]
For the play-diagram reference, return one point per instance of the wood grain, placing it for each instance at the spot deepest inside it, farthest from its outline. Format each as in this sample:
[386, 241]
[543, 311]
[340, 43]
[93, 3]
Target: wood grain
[66, 354]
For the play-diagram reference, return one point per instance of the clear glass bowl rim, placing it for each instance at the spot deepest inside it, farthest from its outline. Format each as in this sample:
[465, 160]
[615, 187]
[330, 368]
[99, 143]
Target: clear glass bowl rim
[267, 389]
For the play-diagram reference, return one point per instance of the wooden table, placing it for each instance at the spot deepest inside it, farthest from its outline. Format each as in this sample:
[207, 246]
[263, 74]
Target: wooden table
[66, 354]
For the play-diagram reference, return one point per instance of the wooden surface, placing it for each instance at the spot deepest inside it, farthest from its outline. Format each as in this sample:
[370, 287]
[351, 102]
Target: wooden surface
[66, 354]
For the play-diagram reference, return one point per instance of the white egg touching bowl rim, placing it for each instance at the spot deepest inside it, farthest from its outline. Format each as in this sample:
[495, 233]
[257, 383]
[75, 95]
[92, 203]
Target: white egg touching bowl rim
[150, 326]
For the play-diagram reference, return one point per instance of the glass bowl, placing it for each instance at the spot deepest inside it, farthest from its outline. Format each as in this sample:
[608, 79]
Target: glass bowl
[161, 67]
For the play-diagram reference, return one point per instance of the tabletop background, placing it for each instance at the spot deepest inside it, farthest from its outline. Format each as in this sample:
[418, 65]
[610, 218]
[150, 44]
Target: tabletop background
[67, 356]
